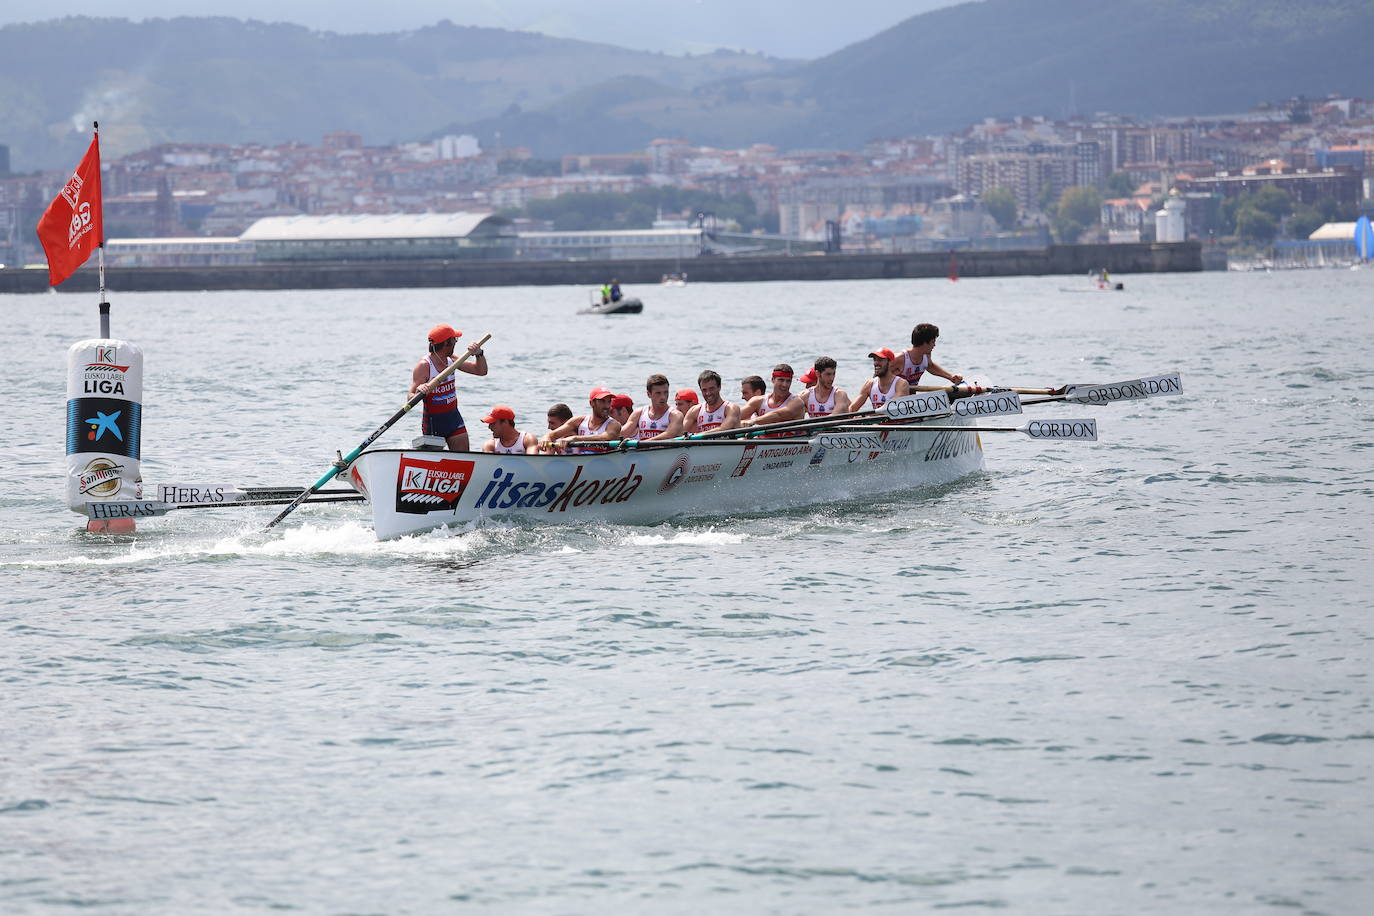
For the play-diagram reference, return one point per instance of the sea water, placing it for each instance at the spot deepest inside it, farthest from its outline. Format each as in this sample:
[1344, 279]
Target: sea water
[1129, 676]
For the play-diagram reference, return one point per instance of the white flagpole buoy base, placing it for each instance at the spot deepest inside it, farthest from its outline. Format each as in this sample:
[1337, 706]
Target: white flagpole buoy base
[104, 427]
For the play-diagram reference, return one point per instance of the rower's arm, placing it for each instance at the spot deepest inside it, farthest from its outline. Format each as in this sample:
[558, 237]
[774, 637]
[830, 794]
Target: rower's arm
[901, 388]
[732, 420]
[750, 407]
[794, 409]
[862, 398]
[553, 435]
[418, 377]
[489, 446]
[954, 377]
[531, 444]
[689, 422]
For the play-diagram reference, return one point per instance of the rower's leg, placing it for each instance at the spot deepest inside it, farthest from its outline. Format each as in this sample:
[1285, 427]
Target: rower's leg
[458, 442]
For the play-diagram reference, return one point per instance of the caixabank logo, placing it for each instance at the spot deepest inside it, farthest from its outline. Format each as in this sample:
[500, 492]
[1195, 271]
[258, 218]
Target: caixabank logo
[106, 425]
[431, 486]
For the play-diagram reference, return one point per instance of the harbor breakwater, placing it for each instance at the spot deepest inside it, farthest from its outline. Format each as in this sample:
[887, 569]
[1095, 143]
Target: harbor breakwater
[1134, 258]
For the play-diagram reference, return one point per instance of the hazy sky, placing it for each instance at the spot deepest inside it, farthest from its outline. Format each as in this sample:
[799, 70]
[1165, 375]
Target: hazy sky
[784, 28]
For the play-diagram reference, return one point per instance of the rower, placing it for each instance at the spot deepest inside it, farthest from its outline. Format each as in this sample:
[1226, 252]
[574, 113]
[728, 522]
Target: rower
[622, 405]
[713, 412]
[885, 384]
[505, 438]
[558, 415]
[441, 416]
[823, 398]
[685, 400]
[916, 360]
[781, 404]
[751, 392]
[656, 420]
[598, 424]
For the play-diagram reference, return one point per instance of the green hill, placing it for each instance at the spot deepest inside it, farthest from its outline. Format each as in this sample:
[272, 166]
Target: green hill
[224, 80]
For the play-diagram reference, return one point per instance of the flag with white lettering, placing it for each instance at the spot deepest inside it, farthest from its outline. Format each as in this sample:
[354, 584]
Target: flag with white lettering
[71, 227]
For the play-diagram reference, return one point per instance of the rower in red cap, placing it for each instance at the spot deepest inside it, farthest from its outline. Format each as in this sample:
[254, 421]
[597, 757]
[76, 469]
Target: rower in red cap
[505, 438]
[622, 405]
[599, 424]
[885, 384]
[685, 400]
[441, 415]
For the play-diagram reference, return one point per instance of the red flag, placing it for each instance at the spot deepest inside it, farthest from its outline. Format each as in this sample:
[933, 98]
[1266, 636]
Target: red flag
[71, 227]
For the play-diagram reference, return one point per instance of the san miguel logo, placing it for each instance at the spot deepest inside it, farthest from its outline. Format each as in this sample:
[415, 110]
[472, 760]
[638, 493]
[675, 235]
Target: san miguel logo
[431, 486]
[101, 477]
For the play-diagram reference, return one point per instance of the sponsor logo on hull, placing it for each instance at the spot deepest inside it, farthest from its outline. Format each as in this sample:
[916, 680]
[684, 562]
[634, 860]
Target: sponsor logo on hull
[675, 474]
[424, 486]
[949, 444]
[504, 491]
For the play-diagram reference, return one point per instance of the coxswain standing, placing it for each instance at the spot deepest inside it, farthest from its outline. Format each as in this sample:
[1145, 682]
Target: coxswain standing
[916, 360]
[885, 384]
[781, 404]
[656, 420]
[713, 412]
[823, 398]
[599, 424]
[505, 438]
[441, 416]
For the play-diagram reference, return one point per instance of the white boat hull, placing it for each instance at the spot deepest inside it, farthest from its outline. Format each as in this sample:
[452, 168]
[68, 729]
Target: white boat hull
[416, 491]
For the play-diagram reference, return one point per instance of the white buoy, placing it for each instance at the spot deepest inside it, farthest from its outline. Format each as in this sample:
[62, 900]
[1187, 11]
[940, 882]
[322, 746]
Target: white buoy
[104, 426]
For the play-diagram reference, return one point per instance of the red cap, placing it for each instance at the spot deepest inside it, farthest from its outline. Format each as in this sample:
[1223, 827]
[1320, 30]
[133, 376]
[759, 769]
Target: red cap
[499, 412]
[599, 392]
[883, 353]
[686, 394]
[442, 332]
[622, 400]
[808, 377]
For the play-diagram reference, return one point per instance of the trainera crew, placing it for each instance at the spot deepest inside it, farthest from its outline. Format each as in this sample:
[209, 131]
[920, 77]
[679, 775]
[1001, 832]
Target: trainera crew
[823, 398]
[441, 416]
[713, 412]
[656, 420]
[505, 438]
[622, 405]
[885, 384]
[599, 424]
[916, 359]
[780, 405]
[684, 400]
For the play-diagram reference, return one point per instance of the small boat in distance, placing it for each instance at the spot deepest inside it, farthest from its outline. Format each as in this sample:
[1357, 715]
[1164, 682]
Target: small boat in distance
[619, 307]
[674, 280]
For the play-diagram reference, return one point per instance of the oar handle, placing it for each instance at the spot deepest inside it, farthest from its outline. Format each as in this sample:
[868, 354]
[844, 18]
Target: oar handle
[345, 460]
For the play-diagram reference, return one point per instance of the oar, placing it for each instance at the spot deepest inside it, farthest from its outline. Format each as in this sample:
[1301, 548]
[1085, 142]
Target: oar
[618, 444]
[1137, 389]
[1081, 430]
[343, 462]
[151, 508]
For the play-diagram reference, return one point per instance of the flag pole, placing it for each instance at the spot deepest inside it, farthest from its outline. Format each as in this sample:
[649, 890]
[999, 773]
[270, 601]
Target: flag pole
[104, 305]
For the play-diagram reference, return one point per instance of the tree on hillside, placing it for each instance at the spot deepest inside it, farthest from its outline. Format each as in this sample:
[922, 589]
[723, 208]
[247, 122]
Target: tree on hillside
[1001, 206]
[1119, 184]
[1256, 224]
[1079, 207]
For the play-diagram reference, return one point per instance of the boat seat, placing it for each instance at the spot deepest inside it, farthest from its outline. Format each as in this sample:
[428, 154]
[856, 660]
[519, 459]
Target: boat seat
[429, 443]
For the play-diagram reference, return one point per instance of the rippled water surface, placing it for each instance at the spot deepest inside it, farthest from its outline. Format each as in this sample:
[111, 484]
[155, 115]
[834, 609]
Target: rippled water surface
[1127, 676]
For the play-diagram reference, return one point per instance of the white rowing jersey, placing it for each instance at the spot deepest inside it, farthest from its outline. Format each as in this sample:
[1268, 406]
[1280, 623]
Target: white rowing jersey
[879, 397]
[649, 427]
[815, 408]
[711, 419]
[766, 408]
[910, 371]
[517, 449]
[584, 430]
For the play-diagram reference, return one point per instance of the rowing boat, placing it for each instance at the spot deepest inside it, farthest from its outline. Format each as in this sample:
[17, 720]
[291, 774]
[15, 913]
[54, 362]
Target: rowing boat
[414, 491]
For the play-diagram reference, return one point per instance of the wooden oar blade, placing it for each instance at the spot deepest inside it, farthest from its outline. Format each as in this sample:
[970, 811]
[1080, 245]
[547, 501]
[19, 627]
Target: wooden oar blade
[913, 406]
[1071, 430]
[133, 508]
[992, 404]
[1138, 389]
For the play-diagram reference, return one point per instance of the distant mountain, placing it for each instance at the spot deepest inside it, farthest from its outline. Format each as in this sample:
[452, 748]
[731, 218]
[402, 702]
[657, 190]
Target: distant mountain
[224, 80]
[945, 69]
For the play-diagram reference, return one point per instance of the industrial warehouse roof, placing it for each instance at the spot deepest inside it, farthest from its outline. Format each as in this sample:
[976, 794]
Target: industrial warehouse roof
[1343, 231]
[371, 226]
